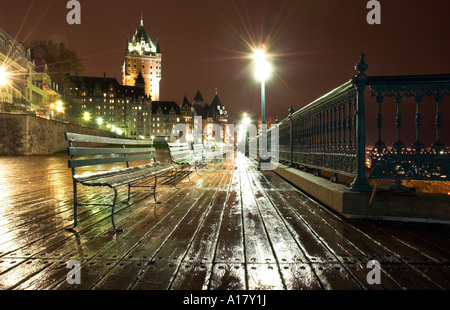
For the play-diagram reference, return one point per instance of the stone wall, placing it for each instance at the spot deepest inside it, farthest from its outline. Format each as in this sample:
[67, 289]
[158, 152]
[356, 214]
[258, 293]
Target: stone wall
[23, 134]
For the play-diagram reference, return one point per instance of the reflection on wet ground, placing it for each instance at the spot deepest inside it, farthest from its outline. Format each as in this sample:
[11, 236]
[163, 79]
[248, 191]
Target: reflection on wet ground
[232, 227]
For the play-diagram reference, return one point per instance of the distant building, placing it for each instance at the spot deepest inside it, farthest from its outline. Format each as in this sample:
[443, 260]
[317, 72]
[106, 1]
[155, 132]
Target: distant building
[214, 113]
[102, 102]
[42, 92]
[142, 62]
[165, 114]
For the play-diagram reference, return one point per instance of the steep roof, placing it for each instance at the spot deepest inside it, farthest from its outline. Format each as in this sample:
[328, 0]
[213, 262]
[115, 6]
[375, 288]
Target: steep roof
[141, 34]
[131, 91]
[198, 97]
[140, 80]
[91, 82]
[217, 108]
[185, 103]
[104, 83]
[165, 106]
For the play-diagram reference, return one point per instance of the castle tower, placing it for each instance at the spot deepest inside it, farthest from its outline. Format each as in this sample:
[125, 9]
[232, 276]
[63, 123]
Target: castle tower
[143, 56]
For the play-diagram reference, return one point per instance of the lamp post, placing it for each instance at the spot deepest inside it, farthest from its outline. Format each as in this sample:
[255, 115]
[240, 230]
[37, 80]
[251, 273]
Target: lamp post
[246, 121]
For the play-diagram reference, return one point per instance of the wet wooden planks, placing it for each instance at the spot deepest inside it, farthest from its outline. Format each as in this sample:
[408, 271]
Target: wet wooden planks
[233, 227]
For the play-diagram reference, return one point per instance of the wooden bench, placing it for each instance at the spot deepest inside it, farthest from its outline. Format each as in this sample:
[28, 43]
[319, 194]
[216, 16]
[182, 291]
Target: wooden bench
[142, 154]
[182, 155]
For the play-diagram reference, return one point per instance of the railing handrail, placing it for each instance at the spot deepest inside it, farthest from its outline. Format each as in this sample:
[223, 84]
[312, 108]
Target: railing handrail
[319, 102]
[402, 80]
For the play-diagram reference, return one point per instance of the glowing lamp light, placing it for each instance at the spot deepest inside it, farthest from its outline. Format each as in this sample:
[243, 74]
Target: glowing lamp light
[100, 121]
[246, 119]
[262, 66]
[86, 116]
[3, 77]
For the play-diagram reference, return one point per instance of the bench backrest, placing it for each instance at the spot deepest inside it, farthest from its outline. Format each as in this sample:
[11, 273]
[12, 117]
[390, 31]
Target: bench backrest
[130, 151]
[180, 151]
[198, 151]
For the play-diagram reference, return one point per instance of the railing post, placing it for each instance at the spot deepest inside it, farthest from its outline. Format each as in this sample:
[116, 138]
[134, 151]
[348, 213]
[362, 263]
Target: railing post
[291, 138]
[360, 183]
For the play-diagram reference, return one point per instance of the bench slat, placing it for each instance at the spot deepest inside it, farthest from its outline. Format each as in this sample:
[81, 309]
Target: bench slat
[177, 144]
[99, 151]
[76, 137]
[176, 149]
[74, 163]
[121, 179]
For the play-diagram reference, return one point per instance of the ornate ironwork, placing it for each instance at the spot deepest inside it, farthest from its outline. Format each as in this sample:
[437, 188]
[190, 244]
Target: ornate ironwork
[329, 133]
[319, 135]
[416, 162]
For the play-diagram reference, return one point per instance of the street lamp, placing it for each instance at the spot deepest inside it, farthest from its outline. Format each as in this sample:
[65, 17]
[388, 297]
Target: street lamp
[262, 73]
[3, 77]
[59, 106]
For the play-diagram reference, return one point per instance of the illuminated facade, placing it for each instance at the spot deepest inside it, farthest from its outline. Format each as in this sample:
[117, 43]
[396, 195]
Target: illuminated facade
[143, 58]
[25, 84]
[14, 65]
[103, 103]
[42, 93]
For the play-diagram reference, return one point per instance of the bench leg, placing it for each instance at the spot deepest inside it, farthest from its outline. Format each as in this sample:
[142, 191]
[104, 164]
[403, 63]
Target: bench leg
[75, 203]
[154, 190]
[189, 173]
[112, 211]
[129, 190]
[175, 179]
[196, 170]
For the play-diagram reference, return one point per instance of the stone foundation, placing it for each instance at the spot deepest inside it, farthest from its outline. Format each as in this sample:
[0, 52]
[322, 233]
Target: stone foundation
[24, 134]
[384, 205]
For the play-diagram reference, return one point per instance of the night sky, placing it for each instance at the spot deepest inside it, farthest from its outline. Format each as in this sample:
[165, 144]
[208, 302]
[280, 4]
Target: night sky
[206, 43]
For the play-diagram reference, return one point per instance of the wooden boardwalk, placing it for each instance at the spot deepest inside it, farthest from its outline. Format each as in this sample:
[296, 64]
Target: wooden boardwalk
[232, 227]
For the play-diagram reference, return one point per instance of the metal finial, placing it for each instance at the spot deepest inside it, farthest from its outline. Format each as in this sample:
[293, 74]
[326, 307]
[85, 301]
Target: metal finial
[291, 110]
[277, 120]
[361, 67]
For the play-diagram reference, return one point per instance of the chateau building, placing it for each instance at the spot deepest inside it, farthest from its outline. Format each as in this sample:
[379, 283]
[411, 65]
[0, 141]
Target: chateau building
[142, 62]
[104, 103]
